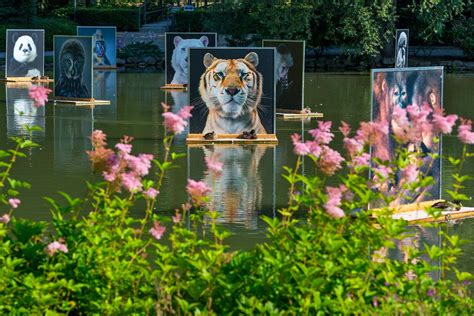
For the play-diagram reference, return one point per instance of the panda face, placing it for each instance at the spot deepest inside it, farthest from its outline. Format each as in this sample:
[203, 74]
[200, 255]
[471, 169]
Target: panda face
[24, 50]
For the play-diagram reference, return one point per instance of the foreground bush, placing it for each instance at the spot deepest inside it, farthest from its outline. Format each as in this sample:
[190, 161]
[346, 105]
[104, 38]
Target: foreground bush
[95, 257]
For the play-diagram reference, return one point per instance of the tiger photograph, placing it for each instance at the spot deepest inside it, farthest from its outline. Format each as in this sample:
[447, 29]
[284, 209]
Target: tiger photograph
[289, 68]
[232, 90]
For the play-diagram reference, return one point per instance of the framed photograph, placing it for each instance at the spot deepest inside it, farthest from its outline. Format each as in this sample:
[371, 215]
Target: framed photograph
[73, 67]
[22, 112]
[232, 90]
[24, 53]
[401, 48]
[176, 53]
[245, 189]
[405, 87]
[289, 67]
[104, 44]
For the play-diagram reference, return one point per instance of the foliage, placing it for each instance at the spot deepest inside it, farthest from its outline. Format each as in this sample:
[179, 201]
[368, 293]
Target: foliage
[140, 49]
[189, 21]
[98, 257]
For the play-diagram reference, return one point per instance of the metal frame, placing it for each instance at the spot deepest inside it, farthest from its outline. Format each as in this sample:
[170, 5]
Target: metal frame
[54, 61]
[7, 47]
[177, 33]
[304, 62]
[248, 49]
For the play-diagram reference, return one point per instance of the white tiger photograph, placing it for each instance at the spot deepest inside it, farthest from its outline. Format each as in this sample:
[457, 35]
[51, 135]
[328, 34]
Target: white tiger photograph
[177, 45]
[232, 91]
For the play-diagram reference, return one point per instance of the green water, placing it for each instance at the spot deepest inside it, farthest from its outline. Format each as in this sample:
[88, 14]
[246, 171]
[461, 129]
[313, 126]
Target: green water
[251, 184]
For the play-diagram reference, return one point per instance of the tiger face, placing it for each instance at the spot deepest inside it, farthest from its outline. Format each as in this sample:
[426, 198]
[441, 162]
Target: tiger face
[231, 88]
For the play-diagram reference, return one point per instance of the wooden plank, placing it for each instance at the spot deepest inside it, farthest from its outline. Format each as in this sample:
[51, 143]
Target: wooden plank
[409, 207]
[174, 86]
[81, 102]
[232, 139]
[421, 216]
[26, 79]
[301, 115]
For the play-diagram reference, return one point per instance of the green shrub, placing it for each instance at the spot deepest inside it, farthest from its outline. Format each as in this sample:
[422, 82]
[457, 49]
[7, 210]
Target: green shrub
[189, 21]
[140, 49]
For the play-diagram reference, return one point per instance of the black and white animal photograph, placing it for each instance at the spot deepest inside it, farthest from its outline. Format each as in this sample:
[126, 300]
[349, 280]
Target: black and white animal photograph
[25, 53]
[289, 68]
[176, 53]
[73, 66]
[401, 48]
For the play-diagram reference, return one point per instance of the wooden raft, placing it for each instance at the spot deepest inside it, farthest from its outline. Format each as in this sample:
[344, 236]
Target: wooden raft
[80, 101]
[298, 114]
[27, 79]
[231, 139]
[415, 213]
[174, 86]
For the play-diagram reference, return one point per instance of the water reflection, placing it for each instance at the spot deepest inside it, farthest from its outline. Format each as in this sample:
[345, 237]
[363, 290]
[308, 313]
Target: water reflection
[72, 127]
[105, 88]
[177, 100]
[21, 111]
[246, 184]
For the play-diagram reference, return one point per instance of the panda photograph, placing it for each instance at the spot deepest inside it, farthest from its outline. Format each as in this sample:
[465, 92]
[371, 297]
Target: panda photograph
[289, 67]
[176, 53]
[24, 53]
[103, 41]
[232, 91]
[73, 66]
[401, 48]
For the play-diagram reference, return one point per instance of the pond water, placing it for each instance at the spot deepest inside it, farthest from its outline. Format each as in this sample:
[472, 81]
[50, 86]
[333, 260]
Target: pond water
[251, 184]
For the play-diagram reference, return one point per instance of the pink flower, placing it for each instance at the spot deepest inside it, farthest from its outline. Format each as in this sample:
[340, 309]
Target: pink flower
[371, 132]
[165, 107]
[131, 182]
[5, 219]
[39, 94]
[14, 203]
[314, 148]
[56, 246]
[174, 123]
[381, 176]
[151, 193]
[353, 146]
[464, 132]
[213, 164]
[362, 160]
[322, 135]
[139, 165]
[410, 173]
[98, 138]
[197, 190]
[300, 148]
[124, 148]
[185, 112]
[157, 231]
[345, 129]
[444, 124]
[177, 217]
[329, 161]
[333, 202]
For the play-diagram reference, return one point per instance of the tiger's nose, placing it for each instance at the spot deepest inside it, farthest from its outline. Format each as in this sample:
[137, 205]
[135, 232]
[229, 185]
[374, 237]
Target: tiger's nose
[232, 91]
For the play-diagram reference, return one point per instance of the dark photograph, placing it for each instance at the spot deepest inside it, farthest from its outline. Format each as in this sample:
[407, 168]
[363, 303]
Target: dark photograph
[232, 90]
[73, 66]
[411, 89]
[289, 67]
[401, 48]
[24, 53]
[103, 42]
[176, 53]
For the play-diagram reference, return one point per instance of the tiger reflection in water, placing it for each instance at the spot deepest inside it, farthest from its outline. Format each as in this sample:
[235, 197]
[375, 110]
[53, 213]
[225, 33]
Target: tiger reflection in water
[237, 192]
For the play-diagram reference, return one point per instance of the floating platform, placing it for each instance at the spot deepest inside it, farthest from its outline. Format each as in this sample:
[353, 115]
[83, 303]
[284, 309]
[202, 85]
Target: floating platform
[231, 139]
[174, 86]
[415, 213]
[28, 79]
[298, 114]
[80, 101]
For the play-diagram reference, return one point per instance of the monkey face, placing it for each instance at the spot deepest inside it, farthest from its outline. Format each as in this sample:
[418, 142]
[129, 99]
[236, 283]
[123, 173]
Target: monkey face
[399, 96]
[100, 48]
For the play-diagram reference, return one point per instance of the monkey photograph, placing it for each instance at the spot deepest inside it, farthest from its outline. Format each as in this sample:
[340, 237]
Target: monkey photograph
[401, 48]
[24, 53]
[73, 66]
[289, 73]
[103, 43]
[419, 87]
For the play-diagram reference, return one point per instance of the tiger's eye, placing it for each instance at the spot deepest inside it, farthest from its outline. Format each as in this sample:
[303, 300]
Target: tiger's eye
[216, 77]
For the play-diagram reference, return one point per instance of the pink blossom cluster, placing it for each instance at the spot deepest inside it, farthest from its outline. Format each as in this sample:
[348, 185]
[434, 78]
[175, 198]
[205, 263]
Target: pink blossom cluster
[39, 94]
[5, 219]
[157, 230]
[465, 133]
[214, 166]
[14, 203]
[56, 246]
[198, 191]
[328, 160]
[333, 203]
[176, 122]
[120, 168]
